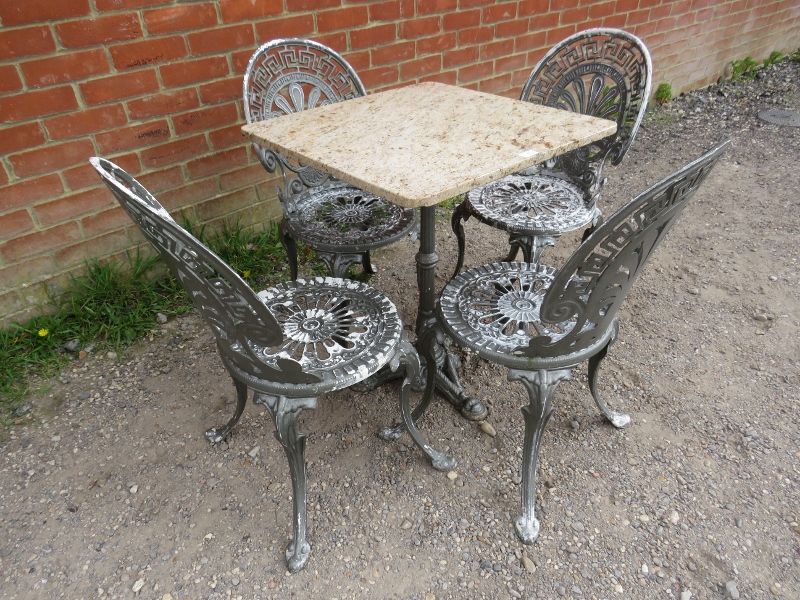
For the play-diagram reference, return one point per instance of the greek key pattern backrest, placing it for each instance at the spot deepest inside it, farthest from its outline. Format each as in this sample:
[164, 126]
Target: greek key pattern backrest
[601, 72]
[588, 290]
[241, 323]
[285, 76]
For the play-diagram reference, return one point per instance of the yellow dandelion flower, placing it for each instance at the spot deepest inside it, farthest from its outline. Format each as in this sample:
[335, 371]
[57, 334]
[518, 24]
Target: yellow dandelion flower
[246, 274]
[43, 332]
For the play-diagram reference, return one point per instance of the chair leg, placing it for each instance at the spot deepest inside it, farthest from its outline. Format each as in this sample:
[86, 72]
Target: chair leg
[457, 223]
[409, 358]
[288, 243]
[617, 419]
[541, 385]
[338, 263]
[366, 260]
[216, 434]
[532, 246]
[285, 412]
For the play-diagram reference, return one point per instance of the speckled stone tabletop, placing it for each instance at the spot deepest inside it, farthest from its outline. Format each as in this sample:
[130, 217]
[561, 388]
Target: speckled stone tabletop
[424, 143]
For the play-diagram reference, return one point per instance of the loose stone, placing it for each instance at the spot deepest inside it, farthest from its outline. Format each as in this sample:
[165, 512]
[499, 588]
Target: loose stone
[488, 429]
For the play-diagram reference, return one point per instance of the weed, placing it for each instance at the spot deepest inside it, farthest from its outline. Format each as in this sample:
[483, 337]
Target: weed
[744, 69]
[774, 58]
[795, 56]
[663, 93]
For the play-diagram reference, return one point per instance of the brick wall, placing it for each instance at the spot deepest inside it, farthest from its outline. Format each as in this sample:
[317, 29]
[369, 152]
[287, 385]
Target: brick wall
[155, 86]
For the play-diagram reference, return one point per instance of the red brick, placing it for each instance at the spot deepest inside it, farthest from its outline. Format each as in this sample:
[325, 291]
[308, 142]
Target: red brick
[532, 40]
[31, 190]
[226, 137]
[226, 204]
[38, 103]
[547, 21]
[342, 18]
[436, 44]
[426, 7]
[173, 152]
[137, 136]
[107, 5]
[513, 28]
[189, 194]
[604, 9]
[575, 15]
[395, 53]
[461, 56]
[561, 4]
[508, 64]
[614, 21]
[117, 87]
[556, 35]
[192, 71]
[147, 52]
[220, 39]
[205, 119]
[391, 11]
[461, 20]
[157, 181]
[624, 6]
[471, 3]
[40, 242]
[9, 79]
[303, 5]
[379, 77]
[163, 104]
[30, 41]
[249, 10]
[51, 157]
[373, 36]
[69, 207]
[3, 175]
[21, 137]
[84, 176]
[448, 77]
[497, 49]
[240, 178]
[500, 12]
[86, 122]
[358, 60]
[474, 72]
[221, 91]
[422, 66]
[15, 223]
[38, 11]
[495, 84]
[65, 67]
[99, 31]
[180, 18]
[420, 27]
[638, 16]
[98, 247]
[476, 35]
[112, 219]
[337, 40]
[217, 163]
[293, 26]
[529, 8]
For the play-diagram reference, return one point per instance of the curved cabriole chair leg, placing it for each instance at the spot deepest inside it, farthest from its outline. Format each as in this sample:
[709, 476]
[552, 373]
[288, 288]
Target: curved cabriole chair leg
[216, 434]
[366, 260]
[541, 385]
[289, 245]
[285, 412]
[617, 419]
[457, 223]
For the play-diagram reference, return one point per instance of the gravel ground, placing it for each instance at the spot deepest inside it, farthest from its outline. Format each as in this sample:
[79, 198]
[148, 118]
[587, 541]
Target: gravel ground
[109, 489]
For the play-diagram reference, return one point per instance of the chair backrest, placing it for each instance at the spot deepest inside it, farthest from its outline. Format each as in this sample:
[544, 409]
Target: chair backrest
[600, 72]
[587, 291]
[244, 327]
[289, 75]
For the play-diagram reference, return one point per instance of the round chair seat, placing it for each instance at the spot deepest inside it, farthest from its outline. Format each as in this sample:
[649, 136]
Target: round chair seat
[535, 204]
[340, 331]
[339, 217]
[494, 310]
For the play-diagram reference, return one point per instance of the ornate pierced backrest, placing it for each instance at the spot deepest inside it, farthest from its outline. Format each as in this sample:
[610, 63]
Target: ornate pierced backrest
[600, 72]
[243, 325]
[286, 76]
[586, 293]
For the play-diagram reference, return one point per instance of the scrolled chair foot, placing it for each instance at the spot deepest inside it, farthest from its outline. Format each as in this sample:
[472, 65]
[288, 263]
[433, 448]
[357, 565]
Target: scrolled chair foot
[296, 558]
[443, 462]
[392, 433]
[527, 529]
[217, 434]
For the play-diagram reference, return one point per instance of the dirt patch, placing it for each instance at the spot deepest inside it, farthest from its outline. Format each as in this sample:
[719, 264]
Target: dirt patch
[112, 490]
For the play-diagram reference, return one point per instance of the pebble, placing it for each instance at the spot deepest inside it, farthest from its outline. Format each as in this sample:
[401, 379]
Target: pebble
[730, 589]
[452, 475]
[528, 564]
[254, 452]
[775, 591]
[686, 595]
[694, 291]
[577, 526]
[406, 524]
[111, 355]
[161, 318]
[137, 586]
[72, 345]
[488, 429]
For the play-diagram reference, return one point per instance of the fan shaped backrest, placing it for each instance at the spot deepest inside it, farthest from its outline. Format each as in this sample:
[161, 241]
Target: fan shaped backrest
[600, 72]
[290, 75]
[242, 324]
[587, 291]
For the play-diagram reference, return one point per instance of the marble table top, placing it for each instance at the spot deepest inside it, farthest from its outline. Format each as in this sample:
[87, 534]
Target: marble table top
[421, 144]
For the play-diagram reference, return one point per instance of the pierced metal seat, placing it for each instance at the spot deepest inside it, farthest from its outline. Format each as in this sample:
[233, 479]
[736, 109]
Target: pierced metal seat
[341, 222]
[600, 72]
[540, 322]
[289, 344]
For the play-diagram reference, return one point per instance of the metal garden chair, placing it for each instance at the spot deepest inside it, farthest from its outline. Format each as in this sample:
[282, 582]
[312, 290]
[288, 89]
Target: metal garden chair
[540, 322]
[342, 223]
[599, 72]
[289, 344]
